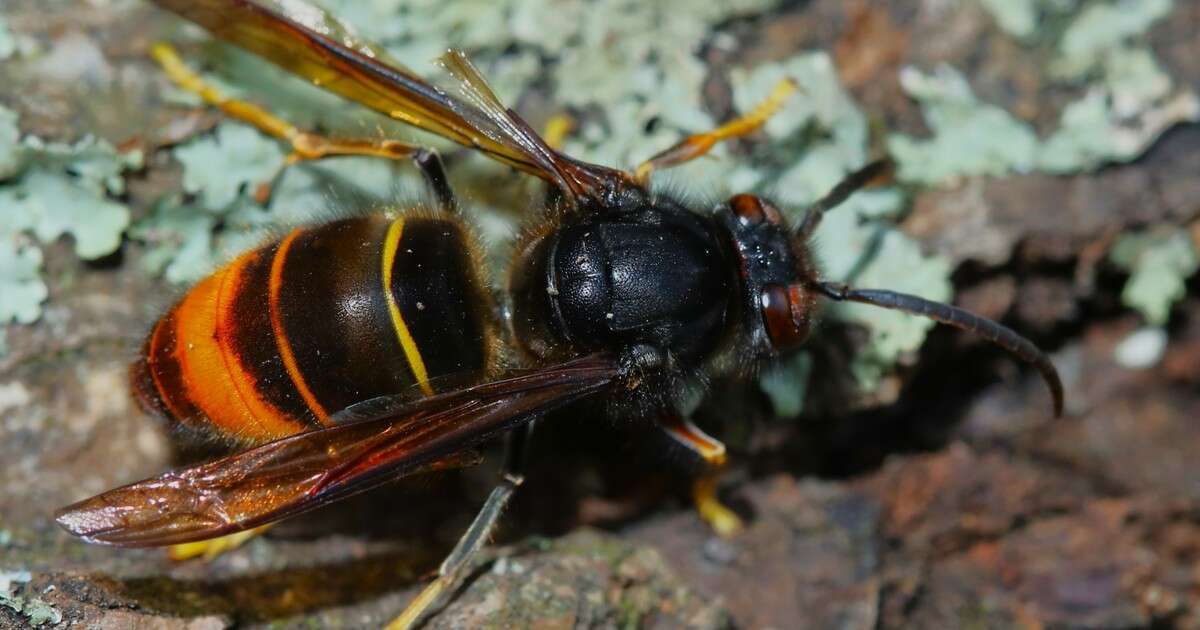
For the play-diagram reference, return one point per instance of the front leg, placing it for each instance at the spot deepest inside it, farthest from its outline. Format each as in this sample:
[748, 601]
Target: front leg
[720, 518]
[699, 144]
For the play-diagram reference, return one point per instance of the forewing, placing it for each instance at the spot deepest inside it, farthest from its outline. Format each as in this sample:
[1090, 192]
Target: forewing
[308, 42]
[386, 439]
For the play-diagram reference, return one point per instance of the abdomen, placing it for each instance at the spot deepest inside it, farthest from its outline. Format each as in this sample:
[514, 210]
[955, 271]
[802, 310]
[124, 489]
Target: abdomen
[288, 334]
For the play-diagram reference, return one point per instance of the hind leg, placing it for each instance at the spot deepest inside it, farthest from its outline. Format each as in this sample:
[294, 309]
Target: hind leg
[209, 549]
[452, 570]
[306, 146]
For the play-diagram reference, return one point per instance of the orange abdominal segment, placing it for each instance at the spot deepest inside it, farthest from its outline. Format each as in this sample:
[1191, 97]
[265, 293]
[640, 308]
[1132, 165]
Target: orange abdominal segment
[211, 366]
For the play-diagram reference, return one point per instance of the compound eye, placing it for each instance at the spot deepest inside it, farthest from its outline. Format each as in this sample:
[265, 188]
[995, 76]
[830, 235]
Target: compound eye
[752, 210]
[785, 312]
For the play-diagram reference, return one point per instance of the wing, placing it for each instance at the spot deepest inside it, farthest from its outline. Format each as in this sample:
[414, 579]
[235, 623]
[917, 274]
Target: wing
[383, 439]
[308, 42]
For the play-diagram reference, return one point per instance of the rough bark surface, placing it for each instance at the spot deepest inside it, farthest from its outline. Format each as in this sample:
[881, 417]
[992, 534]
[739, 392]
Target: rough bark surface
[961, 504]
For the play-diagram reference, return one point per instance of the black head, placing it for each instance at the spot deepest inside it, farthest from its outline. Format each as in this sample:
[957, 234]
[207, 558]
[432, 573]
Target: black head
[776, 276]
[780, 283]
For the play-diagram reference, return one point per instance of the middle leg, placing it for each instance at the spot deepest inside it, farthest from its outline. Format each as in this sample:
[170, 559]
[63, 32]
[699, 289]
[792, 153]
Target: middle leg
[450, 573]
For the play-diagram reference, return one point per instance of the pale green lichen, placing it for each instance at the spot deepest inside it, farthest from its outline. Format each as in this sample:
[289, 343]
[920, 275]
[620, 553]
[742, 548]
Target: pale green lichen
[48, 190]
[1019, 18]
[53, 189]
[859, 244]
[970, 138]
[10, 146]
[1127, 106]
[635, 63]
[52, 203]
[1016, 17]
[12, 44]
[617, 55]
[1115, 121]
[1091, 135]
[899, 265]
[8, 43]
[1127, 102]
[179, 237]
[785, 385]
[220, 167]
[1103, 26]
[1134, 79]
[36, 612]
[20, 283]
[1133, 101]
[1119, 118]
[1159, 262]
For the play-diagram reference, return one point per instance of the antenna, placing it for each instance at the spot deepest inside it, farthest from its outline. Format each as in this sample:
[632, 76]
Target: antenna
[994, 332]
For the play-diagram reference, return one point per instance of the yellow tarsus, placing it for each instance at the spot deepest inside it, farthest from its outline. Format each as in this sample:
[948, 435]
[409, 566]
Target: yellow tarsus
[699, 144]
[557, 129]
[720, 518]
[210, 549]
[761, 113]
[417, 607]
[186, 78]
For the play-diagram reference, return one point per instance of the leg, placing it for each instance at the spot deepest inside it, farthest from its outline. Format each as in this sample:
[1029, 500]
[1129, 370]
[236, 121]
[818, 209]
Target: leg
[209, 549]
[704, 490]
[558, 127]
[695, 146]
[305, 146]
[430, 164]
[849, 185]
[451, 570]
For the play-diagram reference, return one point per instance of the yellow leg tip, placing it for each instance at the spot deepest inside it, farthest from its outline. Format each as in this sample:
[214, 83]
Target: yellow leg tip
[723, 521]
[162, 51]
[557, 129]
[417, 608]
[642, 173]
[210, 549]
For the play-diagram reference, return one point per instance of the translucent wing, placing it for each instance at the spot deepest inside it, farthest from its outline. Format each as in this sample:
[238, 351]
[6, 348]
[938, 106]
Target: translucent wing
[306, 41]
[379, 441]
[574, 178]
